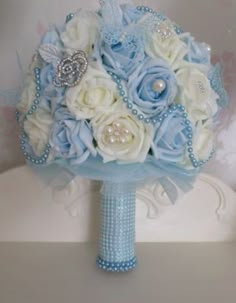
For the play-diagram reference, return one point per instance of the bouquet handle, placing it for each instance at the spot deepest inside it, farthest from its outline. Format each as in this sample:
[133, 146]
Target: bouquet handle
[117, 227]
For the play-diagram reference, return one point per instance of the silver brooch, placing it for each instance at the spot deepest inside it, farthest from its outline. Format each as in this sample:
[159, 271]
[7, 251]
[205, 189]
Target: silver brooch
[71, 69]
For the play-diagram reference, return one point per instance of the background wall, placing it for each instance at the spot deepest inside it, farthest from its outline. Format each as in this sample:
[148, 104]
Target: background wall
[22, 22]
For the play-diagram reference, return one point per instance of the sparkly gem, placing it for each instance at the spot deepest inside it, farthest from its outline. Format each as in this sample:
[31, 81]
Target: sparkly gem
[71, 69]
[164, 29]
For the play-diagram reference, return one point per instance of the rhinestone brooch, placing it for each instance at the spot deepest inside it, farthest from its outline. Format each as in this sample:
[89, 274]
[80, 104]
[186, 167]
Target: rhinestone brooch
[71, 69]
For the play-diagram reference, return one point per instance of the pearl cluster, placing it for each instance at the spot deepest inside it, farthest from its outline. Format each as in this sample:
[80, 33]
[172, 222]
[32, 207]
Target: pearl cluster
[116, 266]
[164, 30]
[117, 133]
[146, 9]
[161, 27]
[34, 160]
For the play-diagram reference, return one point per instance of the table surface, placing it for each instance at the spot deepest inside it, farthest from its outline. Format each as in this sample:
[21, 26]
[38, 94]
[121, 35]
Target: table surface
[167, 273]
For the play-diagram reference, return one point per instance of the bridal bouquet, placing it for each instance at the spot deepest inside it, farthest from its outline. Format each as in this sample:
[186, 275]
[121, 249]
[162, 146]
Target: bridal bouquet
[121, 95]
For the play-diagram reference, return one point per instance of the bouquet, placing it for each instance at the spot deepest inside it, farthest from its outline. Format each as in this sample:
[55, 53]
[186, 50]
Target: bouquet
[121, 95]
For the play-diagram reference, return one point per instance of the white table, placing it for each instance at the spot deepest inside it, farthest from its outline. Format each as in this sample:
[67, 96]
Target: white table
[167, 273]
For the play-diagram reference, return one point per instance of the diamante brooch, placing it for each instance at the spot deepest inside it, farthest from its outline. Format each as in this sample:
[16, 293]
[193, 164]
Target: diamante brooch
[71, 69]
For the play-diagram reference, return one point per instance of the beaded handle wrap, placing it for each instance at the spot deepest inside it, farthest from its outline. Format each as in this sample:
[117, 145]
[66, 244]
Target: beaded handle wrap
[117, 227]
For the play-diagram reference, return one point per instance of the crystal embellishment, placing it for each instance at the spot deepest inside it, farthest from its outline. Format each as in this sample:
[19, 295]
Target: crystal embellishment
[164, 29]
[71, 69]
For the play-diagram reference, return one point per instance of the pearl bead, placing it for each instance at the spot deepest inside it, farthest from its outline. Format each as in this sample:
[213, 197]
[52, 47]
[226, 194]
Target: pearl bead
[109, 130]
[126, 131]
[111, 139]
[159, 86]
[122, 140]
[117, 125]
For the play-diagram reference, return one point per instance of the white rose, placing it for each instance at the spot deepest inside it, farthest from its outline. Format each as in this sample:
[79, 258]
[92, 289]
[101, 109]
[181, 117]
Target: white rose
[171, 48]
[37, 127]
[196, 94]
[96, 93]
[81, 32]
[120, 136]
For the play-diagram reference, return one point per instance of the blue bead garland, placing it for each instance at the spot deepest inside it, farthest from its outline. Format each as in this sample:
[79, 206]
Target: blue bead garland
[25, 147]
[38, 88]
[34, 160]
[17, 116]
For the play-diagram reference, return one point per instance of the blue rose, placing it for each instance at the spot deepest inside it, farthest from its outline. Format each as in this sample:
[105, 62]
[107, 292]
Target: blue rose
[71, 139]
[152, 87]
[197, 52]
[122, 52]
[171, 137]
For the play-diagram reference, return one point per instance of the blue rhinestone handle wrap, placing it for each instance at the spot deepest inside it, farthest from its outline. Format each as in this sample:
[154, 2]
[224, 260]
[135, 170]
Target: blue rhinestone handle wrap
[117, 227]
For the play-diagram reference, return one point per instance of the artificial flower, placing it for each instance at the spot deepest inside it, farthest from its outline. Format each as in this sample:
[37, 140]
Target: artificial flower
[96, 93]
[198, 53]
[171, 137]
[122, 52]
[121, 137]
[152, 87]
[71, 139]
[196, 94]
[81, 32]
[170, 47]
